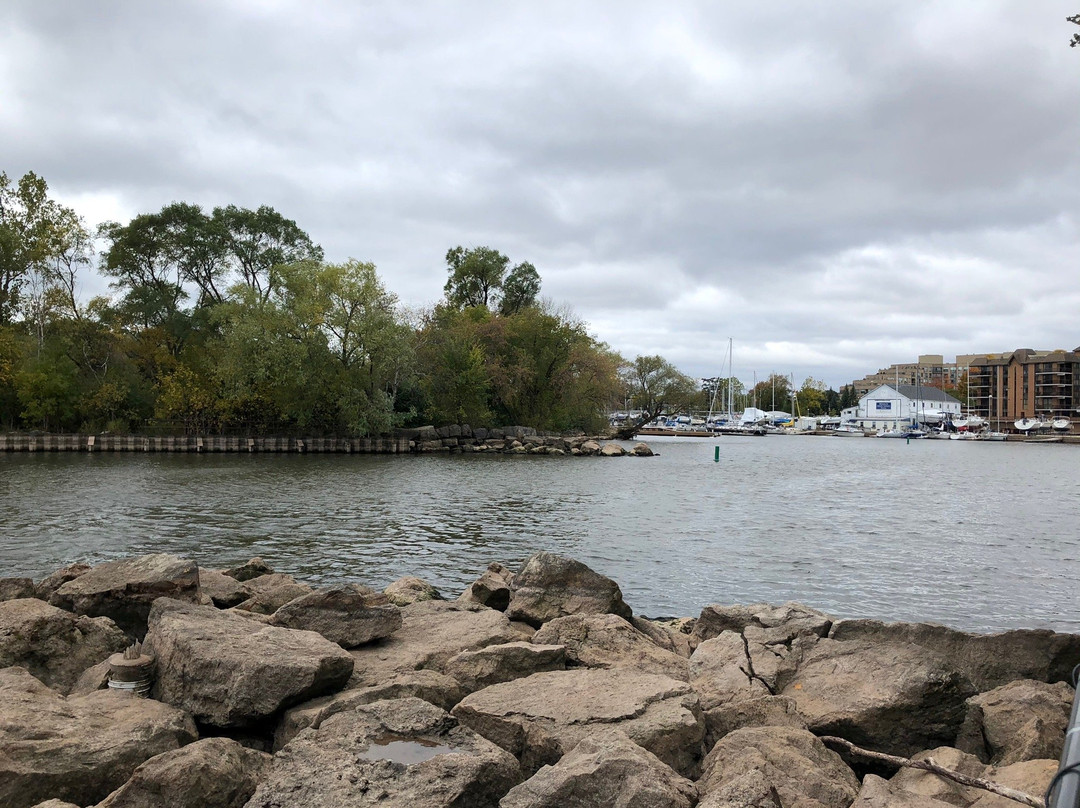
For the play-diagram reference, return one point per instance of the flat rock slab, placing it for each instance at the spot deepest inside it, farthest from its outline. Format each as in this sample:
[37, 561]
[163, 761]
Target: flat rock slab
[435, 688]
[988, 660]
[543, 716]
[605, 769]
[230, 671]
[792, 762]
[609, 641]
[402, 753]
[54, 645]
[211, 773]
[892, 697]
[495, 664]
[125, 590]
[431, 633]
[78, 748]
[551, 586]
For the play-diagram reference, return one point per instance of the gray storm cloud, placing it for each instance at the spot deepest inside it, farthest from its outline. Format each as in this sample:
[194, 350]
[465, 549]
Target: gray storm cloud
[836, 187]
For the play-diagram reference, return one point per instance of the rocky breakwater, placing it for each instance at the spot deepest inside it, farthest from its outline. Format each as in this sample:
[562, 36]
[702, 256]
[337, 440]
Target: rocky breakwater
[532, 688]
[516, 440]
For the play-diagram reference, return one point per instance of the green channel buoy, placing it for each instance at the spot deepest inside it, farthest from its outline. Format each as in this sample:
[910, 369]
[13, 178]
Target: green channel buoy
[716, 454]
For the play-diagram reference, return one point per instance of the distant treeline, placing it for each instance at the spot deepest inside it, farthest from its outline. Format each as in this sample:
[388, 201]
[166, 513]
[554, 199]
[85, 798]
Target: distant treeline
[232, 321]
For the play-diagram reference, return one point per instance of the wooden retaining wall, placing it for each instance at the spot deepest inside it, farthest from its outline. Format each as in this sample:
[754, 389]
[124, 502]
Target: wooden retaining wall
[201, 444]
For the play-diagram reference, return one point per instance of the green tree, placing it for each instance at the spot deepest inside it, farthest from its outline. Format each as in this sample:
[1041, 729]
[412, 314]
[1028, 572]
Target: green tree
[654, 386]
[848, 397]
[520, 289]
[776, 388]
[48, 390]
[481, 276]
[34, 231]
[258, 241]
[811, 397]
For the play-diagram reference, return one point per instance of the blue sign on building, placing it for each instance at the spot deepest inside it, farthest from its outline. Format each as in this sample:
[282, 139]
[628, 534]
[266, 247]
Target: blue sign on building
[883, 405]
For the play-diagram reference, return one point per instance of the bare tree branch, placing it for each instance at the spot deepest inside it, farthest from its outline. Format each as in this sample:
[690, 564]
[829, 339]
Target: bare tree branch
[940, 771]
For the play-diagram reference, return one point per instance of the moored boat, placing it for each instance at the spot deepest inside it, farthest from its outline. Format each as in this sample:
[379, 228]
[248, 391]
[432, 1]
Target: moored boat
[1029, 424]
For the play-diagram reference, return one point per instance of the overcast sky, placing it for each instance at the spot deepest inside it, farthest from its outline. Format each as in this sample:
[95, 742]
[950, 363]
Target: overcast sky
[835, 186]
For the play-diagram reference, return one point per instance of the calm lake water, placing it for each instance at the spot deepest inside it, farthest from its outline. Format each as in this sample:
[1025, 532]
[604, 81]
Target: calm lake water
[978, 536]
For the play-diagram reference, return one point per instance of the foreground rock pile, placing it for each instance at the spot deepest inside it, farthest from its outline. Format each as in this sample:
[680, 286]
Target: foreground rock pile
[532, 689]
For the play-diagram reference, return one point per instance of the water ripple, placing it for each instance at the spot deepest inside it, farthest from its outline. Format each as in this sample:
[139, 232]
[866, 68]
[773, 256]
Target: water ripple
[981, 537]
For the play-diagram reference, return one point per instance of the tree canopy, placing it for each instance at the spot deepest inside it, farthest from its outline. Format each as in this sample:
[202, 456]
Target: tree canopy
[481, 276]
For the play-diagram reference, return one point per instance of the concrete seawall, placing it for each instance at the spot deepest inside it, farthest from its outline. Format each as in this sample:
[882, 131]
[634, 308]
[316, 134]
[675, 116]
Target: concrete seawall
[202, 444]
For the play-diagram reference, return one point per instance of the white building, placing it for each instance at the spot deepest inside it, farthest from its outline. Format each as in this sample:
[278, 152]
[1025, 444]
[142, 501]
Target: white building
[890, 405]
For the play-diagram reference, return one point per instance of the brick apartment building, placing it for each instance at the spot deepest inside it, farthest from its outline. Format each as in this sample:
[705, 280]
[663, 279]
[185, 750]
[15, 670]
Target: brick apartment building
[1025, 383]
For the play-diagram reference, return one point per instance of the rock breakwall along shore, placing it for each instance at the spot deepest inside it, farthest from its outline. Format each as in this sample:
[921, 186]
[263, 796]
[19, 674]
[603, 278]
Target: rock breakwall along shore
[534, 688]
[517, 440]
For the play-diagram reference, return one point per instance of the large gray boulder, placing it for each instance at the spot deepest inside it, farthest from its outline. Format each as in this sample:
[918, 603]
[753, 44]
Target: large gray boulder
[604, 769]
[17, 588]
[228, 671]
[125, 590]
[931, 786]
[252, 568]
[272, 591]
[793, 762]
[211, 773]
[720, 672]
[492, 589]
[223, 590]
[409, 589]
[346, 615]
[551, 586]
[435, 688]
[609, 641]
[494, 664]
[987, 660]
[763, 622]
[403, 753]
[78, 748]
[1023, 720]
[765, 711]
[543, 716]
[664, 634]
[879, 793]
[431, 633]
[892, 697]
[54, 645]
[1030, 776]
[46, 588]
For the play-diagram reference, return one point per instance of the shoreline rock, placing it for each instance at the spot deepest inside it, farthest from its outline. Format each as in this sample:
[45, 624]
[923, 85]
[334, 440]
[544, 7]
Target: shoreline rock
[535, 688]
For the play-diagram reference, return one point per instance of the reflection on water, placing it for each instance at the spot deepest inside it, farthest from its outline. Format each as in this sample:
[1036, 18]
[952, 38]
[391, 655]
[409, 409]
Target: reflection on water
[407, 751]
[979, 536]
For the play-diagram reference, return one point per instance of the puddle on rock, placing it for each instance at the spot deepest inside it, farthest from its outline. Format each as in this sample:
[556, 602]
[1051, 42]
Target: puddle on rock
[400, 749]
